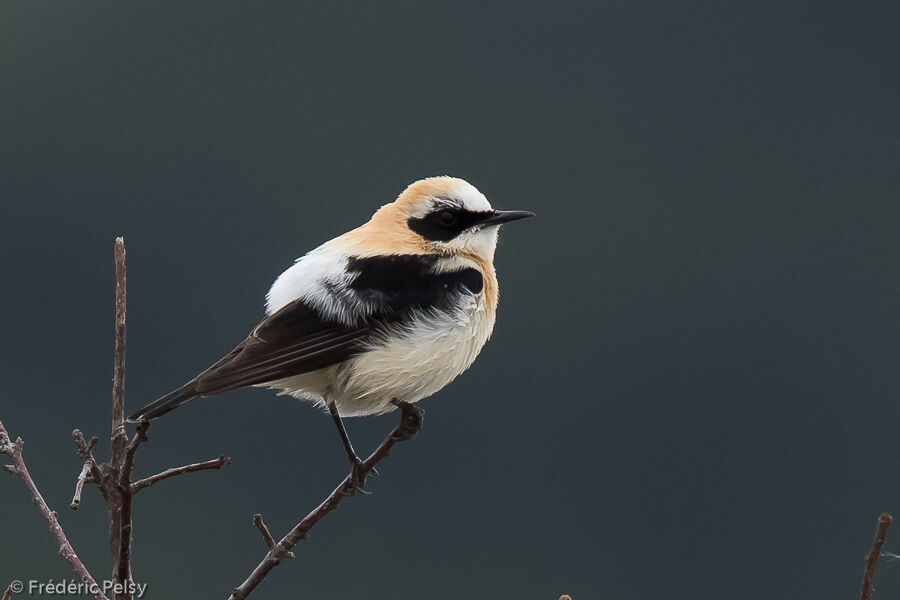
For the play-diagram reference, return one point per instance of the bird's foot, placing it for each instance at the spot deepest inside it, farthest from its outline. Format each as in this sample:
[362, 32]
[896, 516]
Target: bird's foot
[410, 421]
[358, 474]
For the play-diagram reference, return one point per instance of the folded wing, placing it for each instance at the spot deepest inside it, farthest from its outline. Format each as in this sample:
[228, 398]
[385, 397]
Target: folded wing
[292, 341]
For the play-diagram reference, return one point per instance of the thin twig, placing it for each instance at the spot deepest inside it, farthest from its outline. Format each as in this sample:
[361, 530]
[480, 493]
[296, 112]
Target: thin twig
[216, 463]
[79, 485]
[94, 471]
[8, 593]
[884, 521]
[410, 422]
[261, 525]
[14, 450]
[267, 536]
[140, 436]
[85, 453]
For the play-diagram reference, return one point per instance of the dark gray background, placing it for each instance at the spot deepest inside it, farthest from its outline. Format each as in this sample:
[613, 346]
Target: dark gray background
[692, 390]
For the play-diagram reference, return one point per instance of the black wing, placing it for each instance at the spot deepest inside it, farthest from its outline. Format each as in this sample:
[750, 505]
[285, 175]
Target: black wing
[292, 341]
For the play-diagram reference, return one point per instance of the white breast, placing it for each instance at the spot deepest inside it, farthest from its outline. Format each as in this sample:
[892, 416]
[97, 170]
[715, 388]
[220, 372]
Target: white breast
[428, 355]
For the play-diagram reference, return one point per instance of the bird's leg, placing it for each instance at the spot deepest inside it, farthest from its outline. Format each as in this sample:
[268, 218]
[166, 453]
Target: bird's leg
[410, 422]
[358, 472]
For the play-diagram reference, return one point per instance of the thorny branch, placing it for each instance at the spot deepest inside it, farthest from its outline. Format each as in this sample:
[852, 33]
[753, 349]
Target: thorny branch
[14, 450]
[884, 522]
[410, 423]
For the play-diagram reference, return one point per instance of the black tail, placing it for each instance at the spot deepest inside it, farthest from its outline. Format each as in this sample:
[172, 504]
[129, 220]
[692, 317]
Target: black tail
[170, 401]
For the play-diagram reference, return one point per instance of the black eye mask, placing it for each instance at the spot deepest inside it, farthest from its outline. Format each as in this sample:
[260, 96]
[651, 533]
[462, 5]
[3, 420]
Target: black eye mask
[444, 224]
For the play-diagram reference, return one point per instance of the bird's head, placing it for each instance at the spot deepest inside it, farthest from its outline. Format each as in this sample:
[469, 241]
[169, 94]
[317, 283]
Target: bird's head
[447, 215]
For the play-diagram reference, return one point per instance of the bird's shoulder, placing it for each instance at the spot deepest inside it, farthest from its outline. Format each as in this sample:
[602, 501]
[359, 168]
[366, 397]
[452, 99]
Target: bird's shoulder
[398, 283]
[350, 288]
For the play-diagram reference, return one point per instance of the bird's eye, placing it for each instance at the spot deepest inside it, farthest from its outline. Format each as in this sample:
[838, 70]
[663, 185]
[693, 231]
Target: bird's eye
[447, 218]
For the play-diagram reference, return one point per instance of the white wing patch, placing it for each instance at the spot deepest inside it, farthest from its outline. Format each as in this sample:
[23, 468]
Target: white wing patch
[321, 280]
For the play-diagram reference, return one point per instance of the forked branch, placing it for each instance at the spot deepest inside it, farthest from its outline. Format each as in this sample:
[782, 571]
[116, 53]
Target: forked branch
[410, 423]
[14, 451]
[267, 536]
[113, 478]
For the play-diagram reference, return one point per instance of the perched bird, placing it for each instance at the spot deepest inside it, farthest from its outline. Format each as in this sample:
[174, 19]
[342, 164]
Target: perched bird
[379, 317]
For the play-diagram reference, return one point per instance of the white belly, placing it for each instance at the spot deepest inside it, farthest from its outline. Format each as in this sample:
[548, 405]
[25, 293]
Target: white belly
[409, 367]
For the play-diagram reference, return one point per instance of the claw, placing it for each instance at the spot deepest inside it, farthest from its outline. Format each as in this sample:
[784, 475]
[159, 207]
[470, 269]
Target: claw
[410, 422]
[358, 479]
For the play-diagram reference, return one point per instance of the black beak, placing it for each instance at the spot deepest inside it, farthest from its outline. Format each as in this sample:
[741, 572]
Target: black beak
[505, 216]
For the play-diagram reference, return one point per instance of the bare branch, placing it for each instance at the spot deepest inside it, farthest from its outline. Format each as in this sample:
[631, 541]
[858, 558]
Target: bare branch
[113, 478]
[118, 492]
[79, 485]
[14, 450]
[884, 522]
[410, 422]
[216, 463]
[118, 392]
[8, 593]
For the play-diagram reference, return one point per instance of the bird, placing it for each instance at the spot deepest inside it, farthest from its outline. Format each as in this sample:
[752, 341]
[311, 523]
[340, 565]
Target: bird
[377, 318]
